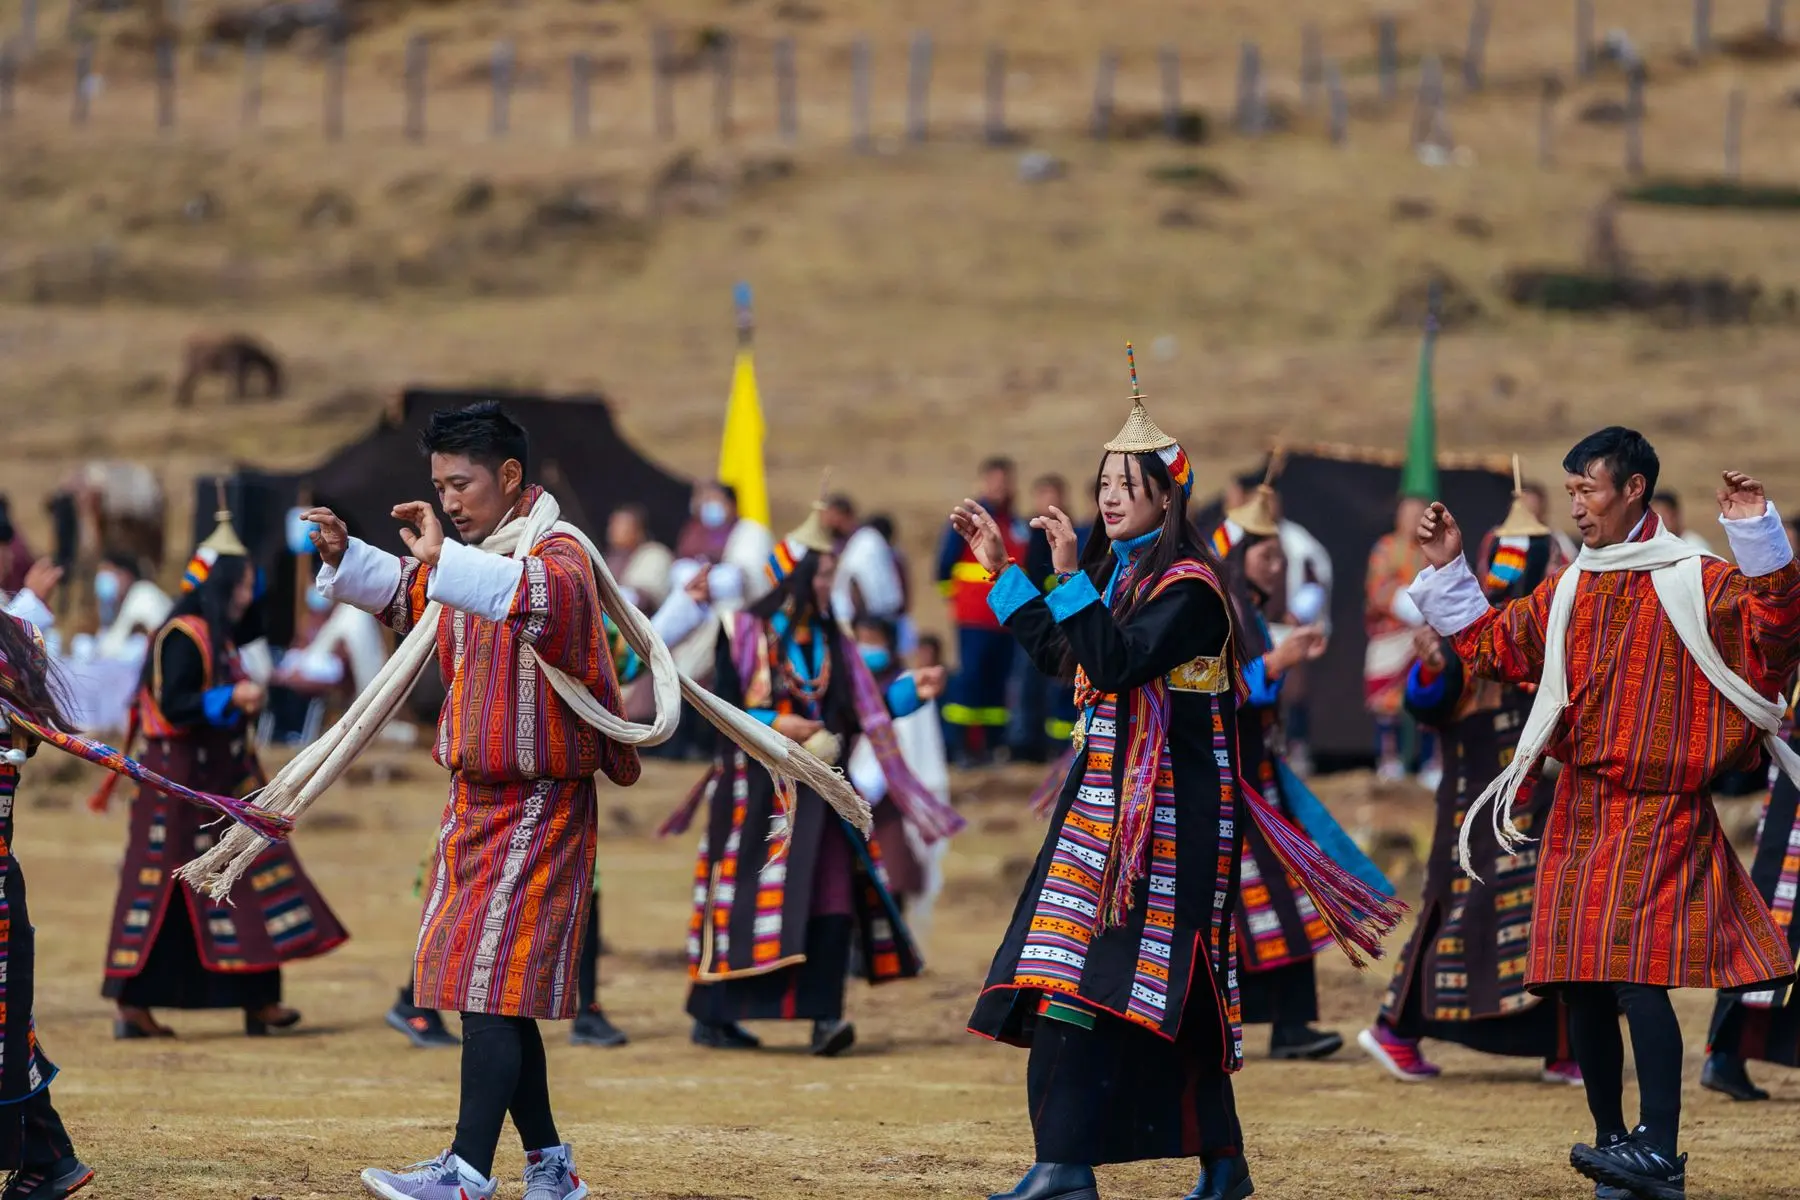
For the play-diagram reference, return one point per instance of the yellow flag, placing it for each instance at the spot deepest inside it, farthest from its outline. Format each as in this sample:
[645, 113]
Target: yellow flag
[741, 452]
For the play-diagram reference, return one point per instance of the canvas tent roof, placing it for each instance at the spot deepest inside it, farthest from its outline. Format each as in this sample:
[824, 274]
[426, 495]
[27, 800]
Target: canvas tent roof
[1345, 496]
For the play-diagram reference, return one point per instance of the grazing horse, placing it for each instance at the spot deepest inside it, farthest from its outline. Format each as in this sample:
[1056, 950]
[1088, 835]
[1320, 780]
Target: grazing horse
[238, 356]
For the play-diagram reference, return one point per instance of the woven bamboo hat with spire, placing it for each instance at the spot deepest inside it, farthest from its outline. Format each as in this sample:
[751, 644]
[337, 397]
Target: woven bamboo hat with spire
[1519, 520]
[809, 537]
[222, 542]
[1141, 435]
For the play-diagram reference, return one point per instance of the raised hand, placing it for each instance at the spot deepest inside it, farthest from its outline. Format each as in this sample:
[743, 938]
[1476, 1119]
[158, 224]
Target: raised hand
[977, 528]
[248, 696]
[930, 682]
[1741, 497]
[420, 530]
[1439, 536]
[1429, 647]
[330, 536]
[42, 577]
[1065, 550]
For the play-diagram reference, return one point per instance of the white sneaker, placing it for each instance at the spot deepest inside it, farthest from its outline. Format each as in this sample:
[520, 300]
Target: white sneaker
[550, 1175]
[446, 1177]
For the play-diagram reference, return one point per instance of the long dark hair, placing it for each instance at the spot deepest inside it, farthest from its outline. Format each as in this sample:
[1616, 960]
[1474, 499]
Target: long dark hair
[1179, 539]
[796, 590]
[1248, 598]
[211, 602]
[796, 595]
[30, 679]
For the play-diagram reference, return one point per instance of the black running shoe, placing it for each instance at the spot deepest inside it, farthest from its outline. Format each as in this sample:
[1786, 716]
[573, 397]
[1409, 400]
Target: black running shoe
[832, 1038]
[1726, 1075]
[593, 1029]
[423, 1027]
[1303, 1041]
[729, 1036]
[1634, 1165]
[38, 1183]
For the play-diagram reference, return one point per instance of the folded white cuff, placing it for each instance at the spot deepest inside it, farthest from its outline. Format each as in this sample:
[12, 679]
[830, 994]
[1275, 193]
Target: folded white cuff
[1450, 598]
[679, 616]
[1759, 544]
[365, 578]
[26, 606]
[475, 581]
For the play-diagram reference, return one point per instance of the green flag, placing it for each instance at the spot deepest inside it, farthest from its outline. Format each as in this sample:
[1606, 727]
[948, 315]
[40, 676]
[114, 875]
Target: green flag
[1419, 479]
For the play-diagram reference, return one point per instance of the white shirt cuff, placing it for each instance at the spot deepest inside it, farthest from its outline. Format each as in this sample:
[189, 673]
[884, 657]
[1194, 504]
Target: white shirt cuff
[475, 581]
[1450, 598]
[366, 578]
[28, 608]
[1759, 544]
[679, 616]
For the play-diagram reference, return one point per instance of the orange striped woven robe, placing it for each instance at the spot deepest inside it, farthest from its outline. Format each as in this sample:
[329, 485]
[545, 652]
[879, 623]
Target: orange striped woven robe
[1636, 882]
[507, 894]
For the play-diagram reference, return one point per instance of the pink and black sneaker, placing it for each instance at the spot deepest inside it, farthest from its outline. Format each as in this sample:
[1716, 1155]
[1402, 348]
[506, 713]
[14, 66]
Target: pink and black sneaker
[1564, 1071]
[1399, 1055]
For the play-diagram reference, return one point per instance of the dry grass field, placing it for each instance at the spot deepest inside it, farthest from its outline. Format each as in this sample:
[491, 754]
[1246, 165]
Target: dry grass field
[918, 1109]
[919, 306]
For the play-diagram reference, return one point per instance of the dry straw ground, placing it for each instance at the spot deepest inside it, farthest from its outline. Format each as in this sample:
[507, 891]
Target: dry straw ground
[919, 307]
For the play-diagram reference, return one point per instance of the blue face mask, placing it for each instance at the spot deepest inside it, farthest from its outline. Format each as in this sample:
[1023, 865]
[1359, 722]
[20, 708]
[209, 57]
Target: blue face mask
[318, 601]
[106, 589]
[299, 533]
[712, 514]
[876, 658]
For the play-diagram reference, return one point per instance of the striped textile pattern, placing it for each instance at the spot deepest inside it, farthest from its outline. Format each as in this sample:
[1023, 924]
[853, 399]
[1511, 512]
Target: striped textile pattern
[1636, 882]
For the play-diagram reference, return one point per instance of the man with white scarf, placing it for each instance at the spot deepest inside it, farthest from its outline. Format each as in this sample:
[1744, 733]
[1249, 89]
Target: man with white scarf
[1657, 668]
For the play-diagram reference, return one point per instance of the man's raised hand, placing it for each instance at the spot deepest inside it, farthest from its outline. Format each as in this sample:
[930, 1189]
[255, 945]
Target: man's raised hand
[1741, 497]
[330, 536]
[1439, 536]
[420, 530]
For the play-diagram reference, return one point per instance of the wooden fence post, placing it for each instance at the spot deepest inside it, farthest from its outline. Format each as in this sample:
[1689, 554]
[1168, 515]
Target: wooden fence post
[501, 74]
[1312, 66]
[787, 91]
[9, 69]
[1584, 38]
[250, 103]
[334, 87]
[1103, 94]
[860, 136]
[724, 64]
[1428, 105]
[1387, 54]
[995, 122]
[1170, 60]
[1474, 56]
[417, 50]
[662, 97]
[1340, 104]
[1249, 116]
[84, 71]
[28, 22]
[165, 82]
[1634, 123]
[1777, 19]
[72, 24]
[1702, 26]
[1734, 133]
[918, 88]
[1546, 133]
[580, 74]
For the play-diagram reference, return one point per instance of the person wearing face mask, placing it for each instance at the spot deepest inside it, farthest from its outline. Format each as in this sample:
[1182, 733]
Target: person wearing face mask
[781, 949]
[1279, 930]
[1118, 970]
[131, 608]
[911, 865]
[171, 947]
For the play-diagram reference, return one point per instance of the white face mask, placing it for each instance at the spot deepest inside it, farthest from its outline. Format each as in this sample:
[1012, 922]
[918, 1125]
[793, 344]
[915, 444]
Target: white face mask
[713, 514]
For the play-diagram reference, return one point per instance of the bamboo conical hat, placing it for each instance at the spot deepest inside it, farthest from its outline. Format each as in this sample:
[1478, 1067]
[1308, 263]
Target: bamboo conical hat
[811, 533]
[223, 540]
[1139, 434]
[1519, 521]
[1256, 516]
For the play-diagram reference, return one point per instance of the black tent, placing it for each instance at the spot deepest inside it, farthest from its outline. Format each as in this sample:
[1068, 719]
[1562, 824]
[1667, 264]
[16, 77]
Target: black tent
[1345, 497]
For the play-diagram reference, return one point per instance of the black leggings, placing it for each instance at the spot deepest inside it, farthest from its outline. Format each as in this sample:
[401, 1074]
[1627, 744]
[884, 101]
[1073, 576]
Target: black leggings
[503, 1072]
[1656, 1044]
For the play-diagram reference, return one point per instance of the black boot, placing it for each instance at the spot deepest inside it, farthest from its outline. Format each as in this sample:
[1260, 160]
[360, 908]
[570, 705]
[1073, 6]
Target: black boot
[1303, 1041]
[1725, 1074]
[1634, 1165]
[423, 1027]
[832, 1038]
[593, 1029]
[729, 1036]
[1224, 1179]
[1054, 1181]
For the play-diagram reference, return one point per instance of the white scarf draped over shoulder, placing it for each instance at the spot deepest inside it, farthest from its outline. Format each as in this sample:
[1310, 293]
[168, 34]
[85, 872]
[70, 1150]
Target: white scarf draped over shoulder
[1452, 600]
[307, 776]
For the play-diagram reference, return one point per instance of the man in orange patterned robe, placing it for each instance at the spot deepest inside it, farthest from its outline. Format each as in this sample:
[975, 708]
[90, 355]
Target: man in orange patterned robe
[508, 893]
[1638, 890]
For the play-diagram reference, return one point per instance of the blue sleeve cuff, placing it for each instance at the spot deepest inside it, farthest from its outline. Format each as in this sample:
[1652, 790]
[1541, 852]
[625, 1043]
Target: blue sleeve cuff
[903, 697]
[1072, 597]
[216, 703]
[1263, 690]
[765, 715]
[1011, 592]
[1424, 695]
